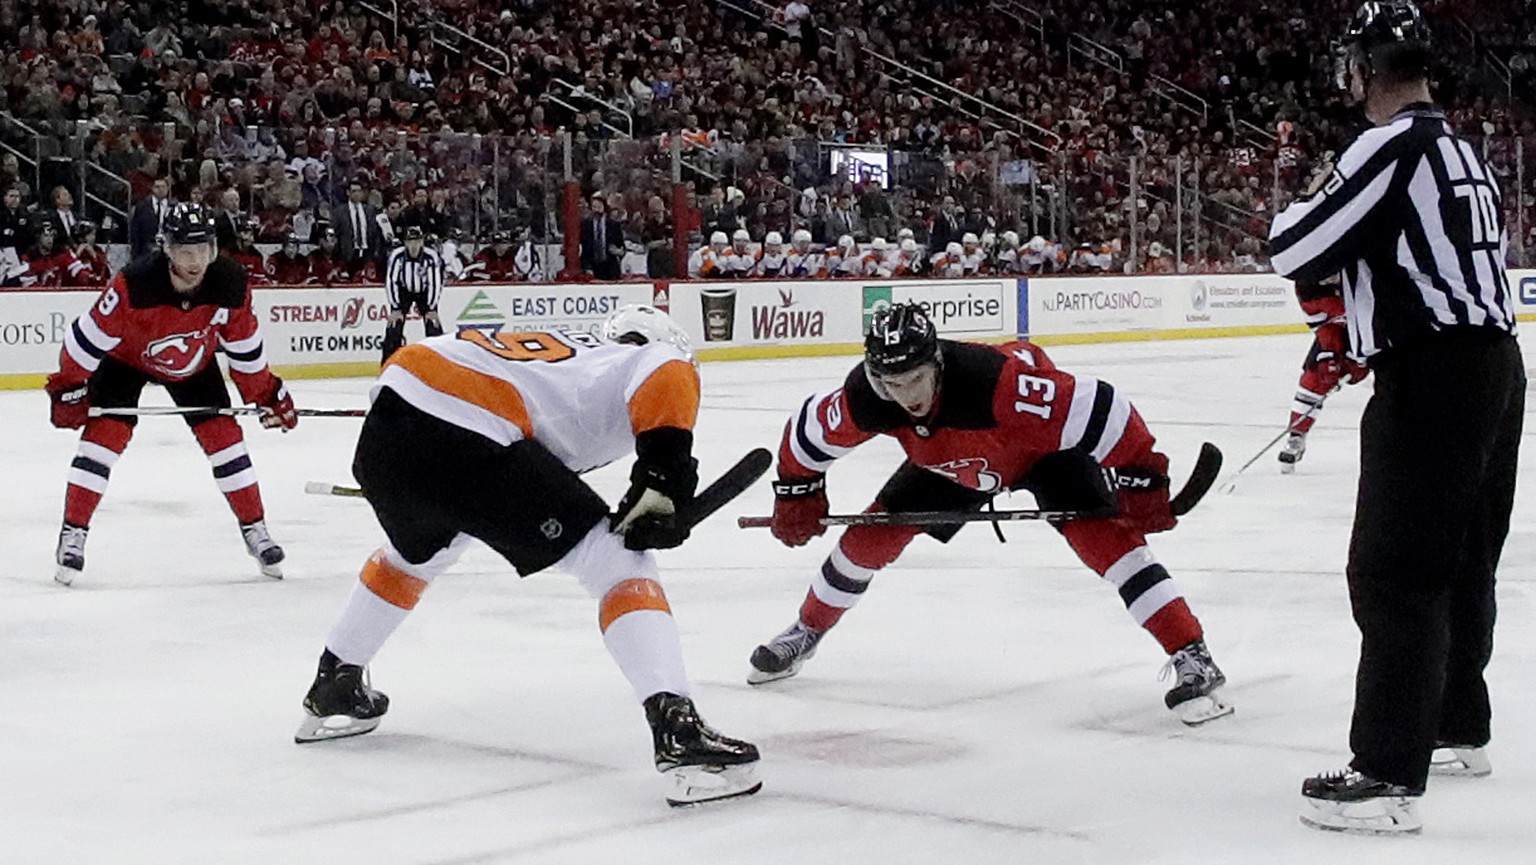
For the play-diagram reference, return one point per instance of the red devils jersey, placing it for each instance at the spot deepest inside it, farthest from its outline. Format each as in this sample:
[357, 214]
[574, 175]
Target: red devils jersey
[92, 268]
[253, 262]
[48, 269]
[141, 321]
[286, 270]
[325, 268]
[1000, 408]
[498, 268]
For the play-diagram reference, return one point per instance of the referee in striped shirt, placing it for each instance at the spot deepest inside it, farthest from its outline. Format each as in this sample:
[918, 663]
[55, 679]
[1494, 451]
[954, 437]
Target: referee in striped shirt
[413, 277]
[1411, 218]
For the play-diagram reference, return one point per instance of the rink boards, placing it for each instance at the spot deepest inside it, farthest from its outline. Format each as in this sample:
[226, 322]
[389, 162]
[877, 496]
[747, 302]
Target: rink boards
[330, 332]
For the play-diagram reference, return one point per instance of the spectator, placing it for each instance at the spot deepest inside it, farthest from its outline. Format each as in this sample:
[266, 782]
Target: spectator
[947, 227]
[228, 222]
[62, 216]
[844, 219]
[656, 235]
[359, 234]
[602, 241]
[147, 216]
[16, 225]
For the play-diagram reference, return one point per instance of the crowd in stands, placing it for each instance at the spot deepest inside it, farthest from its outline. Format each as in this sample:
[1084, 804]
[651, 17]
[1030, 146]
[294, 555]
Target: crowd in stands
[1163, 134]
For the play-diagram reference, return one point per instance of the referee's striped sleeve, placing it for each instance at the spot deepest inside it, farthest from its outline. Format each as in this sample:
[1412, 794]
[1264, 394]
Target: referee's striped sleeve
[434, 280]
[392, 274]
[1314, 238]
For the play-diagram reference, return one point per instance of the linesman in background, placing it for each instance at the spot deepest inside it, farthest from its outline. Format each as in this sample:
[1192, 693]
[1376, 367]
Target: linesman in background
[1411, 219]
[413, 277]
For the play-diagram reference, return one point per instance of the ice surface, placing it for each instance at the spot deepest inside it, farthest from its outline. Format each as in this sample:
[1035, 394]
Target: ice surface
[985, 703]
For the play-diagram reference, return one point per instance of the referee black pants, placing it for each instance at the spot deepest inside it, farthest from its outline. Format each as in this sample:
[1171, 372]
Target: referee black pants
[1438, 449]
[394, 334]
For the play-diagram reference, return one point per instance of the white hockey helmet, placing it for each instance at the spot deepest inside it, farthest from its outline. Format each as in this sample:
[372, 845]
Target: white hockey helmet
[908, 245]
[845, 242]
[1011, 238]
[638, 324]
[719, 239]
[741, 235]
[773, 239]
[1037, 244]
[878, 244]
[905, 234]
[954, 249]
[970, 239]
[801, 237]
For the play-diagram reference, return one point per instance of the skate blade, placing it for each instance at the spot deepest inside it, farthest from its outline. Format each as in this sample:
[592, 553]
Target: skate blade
[1393, 815]
[273, 571]
[763, 677]
[313, 729]
[1202, 710]
[1287, 468]
[695, 785]
[65, 576]
[1460, 763]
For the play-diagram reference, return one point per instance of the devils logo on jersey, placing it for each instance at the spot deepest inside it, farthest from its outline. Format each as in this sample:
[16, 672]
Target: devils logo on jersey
[970, 472]
[178, 355]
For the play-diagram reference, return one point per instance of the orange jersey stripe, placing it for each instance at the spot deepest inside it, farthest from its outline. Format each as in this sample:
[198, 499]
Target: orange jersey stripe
[390, 583]
[494, 395]
[670, 397]
[629, 596]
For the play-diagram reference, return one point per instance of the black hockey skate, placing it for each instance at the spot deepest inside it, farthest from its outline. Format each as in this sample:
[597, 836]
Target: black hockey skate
[70, 555]
[1460, 761]
[340, 703]
[702, 764]
[1349, 801]
[266, 552]
[1291, 454]
[784, 655]
[1194, 699]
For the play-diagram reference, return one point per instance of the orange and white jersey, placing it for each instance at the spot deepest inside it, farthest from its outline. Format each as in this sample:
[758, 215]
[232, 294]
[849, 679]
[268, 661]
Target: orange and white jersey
[771, 264]
[851, 264]
[805, 264]
[706, 262]
[580, 396]
[972, 263]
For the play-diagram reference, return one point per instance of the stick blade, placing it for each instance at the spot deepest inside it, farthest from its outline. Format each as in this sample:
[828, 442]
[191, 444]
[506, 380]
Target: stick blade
[1207, 467]
[728, 486]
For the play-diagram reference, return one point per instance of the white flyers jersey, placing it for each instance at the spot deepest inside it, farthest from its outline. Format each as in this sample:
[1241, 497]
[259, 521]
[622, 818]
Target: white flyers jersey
[772, 264]
[580, 396]
[805, 264]
[971, 263]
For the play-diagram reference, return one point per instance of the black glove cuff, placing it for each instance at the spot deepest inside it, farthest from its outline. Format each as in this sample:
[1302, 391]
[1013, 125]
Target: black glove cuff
[1137, 479]
[663, 462]
[799, 488]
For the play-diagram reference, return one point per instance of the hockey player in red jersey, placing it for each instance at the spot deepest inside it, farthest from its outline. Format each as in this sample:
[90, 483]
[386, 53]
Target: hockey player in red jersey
[248, 256]
[1327, 366]
[498, 260]
[161, 320]
[49, 260]
[326, 266]
[976, 420]
[287, 266]
[90, 267]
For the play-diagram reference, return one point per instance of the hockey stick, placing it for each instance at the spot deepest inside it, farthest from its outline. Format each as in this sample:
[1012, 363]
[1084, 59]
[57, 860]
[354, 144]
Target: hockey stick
[712, 498]
[1207, 467]
[176, 410]
[321, 488]
[1231, 485]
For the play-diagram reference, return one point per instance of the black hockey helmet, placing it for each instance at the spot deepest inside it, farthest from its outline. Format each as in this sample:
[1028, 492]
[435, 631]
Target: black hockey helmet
[1385, 35]
[413, 232]
[901, 338]
[187, 225]
[83, 229]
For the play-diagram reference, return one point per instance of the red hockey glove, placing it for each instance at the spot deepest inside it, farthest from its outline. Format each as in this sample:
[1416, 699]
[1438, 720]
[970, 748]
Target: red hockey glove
[71, 405]
[798, 506]
[277, 409]
[1331, 356]
[1143, 495]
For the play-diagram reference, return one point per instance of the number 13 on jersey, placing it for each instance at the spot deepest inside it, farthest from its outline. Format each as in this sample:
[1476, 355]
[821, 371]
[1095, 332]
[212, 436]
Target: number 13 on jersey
[1035, 396]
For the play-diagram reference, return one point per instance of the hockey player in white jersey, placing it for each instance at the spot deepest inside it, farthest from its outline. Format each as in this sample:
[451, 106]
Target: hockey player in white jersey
[1006, 258]
[741, 260]
[973, 257]
[949, 263]
[707, 261]
[773, 262]
[803, 262]
[846, 260]
[483, 436]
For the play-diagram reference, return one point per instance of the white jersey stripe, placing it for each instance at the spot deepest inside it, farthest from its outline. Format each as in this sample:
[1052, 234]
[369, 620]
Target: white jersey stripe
[1083, 393]
[1114, 429]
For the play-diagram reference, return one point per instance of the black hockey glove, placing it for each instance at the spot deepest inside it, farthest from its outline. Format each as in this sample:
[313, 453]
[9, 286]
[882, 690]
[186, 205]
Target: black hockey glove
[660, 485]
[1072, 480]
